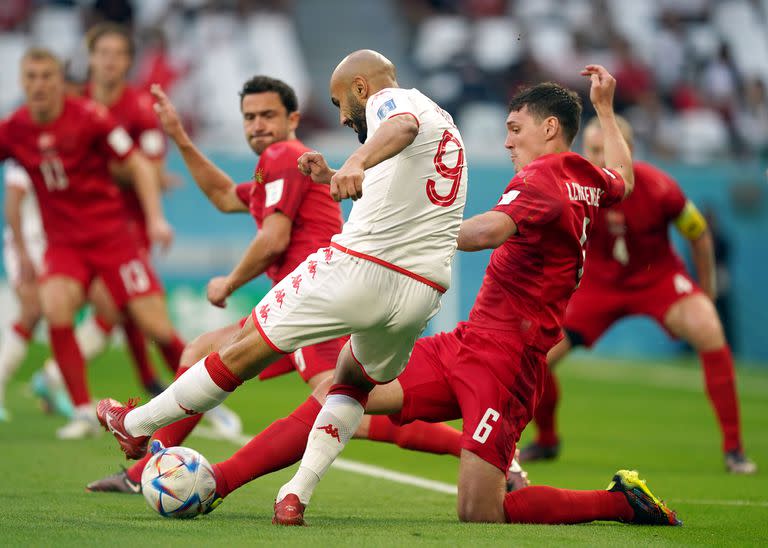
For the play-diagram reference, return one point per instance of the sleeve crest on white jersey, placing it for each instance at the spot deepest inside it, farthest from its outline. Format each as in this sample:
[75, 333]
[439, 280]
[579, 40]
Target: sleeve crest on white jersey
[386, 108]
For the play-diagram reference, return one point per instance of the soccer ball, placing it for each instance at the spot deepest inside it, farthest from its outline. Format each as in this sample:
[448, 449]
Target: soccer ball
[178, 482]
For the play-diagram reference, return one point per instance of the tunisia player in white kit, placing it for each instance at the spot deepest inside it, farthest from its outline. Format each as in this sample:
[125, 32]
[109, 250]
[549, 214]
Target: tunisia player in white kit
[379, 281]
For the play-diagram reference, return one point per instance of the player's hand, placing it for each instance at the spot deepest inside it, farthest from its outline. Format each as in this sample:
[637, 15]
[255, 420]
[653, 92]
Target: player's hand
[165, 110]
[160, 233]
[314, 165]
[602, 86]
[348, 182]
[219, 289]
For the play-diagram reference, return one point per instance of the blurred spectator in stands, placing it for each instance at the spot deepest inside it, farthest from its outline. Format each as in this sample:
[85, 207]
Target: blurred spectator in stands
[720, 82]
[14, 13]
[634, 80]
[752, 118]
[669, 52]
[116, 11]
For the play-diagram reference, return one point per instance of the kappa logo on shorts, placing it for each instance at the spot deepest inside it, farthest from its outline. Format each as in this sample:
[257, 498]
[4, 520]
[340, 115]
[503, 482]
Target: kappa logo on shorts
[312, 268]
[328, 254]
[264, 312]
[331, 430]
[280, 297]
[296, 281]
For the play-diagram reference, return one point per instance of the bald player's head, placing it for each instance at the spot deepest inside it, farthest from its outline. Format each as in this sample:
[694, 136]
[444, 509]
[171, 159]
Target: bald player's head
[593, 139]
[359, 75]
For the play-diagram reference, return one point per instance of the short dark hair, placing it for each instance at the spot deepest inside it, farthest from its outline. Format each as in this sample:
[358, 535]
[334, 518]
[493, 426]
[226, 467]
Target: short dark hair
[264, 84]
[99, 30]
[551, 99]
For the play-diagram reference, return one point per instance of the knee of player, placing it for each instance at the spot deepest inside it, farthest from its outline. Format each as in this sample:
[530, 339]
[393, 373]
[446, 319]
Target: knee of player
[704, 331]
[320, 390]
[470, 511]
[193, 352]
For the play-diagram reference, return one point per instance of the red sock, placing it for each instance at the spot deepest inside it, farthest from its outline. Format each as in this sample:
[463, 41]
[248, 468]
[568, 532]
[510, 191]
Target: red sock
[544, 416]
[280, 445]
[171, 352]
[21, 332]
[437, 438]
[103, 324]
[547, 505]
[71, 363]
[137, 345]
[719, 378]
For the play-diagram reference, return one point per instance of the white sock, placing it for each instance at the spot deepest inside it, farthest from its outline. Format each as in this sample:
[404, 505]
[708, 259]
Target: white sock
[13, 349]
[91, 338]
[86, 412]
[193, 392]
[53, 373]
[334, 426]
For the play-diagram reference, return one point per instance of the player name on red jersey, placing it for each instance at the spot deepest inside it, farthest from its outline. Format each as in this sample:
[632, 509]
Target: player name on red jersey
[587, 194]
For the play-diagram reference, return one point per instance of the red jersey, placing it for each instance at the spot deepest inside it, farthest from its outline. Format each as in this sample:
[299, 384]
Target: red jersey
[630, 247]
[135, 112]
[279, 186]
[68, 162]
[532, 275]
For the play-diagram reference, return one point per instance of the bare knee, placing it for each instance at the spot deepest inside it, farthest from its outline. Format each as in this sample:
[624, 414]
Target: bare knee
[320, 391]
[474, 511]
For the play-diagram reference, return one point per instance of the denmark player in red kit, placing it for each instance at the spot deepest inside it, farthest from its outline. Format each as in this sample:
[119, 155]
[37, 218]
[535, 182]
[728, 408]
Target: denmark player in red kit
[295, 217]
[632, 269]
[110, 49]
[66, 144]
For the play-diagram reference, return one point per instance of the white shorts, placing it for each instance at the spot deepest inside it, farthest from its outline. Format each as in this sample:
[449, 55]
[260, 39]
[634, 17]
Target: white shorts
[333, 293]
[35, 248]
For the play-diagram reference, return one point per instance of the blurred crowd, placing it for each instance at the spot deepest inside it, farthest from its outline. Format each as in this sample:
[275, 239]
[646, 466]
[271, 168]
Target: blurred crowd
[692, 74]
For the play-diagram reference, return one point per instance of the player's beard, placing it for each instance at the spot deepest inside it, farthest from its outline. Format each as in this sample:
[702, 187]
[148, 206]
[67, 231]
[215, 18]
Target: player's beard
[357, 117]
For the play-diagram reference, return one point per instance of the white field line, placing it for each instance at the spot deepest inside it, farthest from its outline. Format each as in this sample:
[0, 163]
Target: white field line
[373, 471]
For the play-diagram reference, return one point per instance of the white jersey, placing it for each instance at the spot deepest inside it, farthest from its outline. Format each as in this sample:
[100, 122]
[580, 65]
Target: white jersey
[413, 203]
[31, 225]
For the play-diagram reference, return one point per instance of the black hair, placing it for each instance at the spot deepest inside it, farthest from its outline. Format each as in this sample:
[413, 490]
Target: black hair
[264, 84]
[551, 99]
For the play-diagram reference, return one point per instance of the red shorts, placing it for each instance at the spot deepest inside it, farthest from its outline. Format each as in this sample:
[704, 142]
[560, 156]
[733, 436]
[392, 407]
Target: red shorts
[308, 361]
[594, 308]
[492, 379]
[123, 267]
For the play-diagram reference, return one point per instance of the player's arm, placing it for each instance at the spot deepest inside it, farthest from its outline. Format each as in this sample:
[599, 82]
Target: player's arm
[616, 150]
[144, 177]
[486, 231]
[390, 139]
[14, 196]
[693, 226]
[270, 242]
[218, 187]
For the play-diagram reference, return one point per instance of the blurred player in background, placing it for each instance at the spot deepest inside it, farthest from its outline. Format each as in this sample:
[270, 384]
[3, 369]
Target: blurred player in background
[110, 48]
[66, 146]
[489, 370]
[295, 217]
[23, 248]
[632, 269]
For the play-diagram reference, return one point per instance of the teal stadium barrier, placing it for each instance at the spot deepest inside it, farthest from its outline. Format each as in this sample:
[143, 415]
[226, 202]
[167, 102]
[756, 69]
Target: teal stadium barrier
[208, 243]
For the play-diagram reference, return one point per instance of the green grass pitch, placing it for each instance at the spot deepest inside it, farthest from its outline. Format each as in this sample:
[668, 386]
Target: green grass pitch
[653, 417]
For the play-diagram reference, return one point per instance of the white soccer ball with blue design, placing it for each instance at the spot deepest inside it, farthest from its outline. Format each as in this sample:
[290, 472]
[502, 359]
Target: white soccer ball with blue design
[178, 482]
